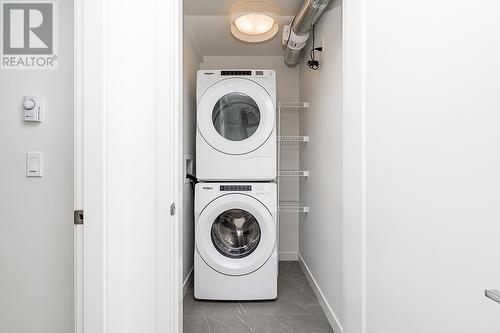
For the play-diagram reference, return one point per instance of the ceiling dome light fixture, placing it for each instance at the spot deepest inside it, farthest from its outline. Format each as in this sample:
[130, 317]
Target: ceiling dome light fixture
[254, 21]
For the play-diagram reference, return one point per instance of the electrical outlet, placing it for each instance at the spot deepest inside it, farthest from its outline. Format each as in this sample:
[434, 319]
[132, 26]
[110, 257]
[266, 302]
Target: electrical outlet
[322, 43]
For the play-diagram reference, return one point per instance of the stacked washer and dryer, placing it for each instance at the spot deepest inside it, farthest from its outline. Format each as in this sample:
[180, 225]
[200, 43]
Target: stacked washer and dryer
[236, 227]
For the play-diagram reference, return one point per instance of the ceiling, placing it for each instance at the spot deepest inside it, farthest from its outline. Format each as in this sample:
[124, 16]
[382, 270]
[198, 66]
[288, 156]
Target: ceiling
[221, 7]
[208, 24]
[212, 37]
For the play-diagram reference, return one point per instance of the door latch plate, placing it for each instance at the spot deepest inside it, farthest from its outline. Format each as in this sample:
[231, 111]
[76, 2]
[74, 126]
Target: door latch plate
[78, 216]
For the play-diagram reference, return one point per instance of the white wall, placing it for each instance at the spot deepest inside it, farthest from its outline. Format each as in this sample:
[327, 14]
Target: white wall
[320, 232]
[287, 90]
[191, 64]
[431, 158]
[36, 214]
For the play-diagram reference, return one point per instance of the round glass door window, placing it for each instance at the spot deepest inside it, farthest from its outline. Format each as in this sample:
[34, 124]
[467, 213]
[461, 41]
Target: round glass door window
[235, 233]
[236, 116]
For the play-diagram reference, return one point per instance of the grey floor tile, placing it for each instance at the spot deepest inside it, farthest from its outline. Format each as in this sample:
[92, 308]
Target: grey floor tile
[314, 308]
[289, 268]
[219, 322]
[195, 323]
[223, 323]
[296, 289]
[306, 323]
[281, 306]
[192, 306]
[295, 310]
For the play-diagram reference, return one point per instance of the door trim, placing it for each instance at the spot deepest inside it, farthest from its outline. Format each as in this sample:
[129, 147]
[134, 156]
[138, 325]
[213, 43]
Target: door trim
[78, 162]
[353, 166]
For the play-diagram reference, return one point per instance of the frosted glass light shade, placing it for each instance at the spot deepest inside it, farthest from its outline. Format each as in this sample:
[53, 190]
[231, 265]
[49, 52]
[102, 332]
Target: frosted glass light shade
[254, 24]
[254, 21]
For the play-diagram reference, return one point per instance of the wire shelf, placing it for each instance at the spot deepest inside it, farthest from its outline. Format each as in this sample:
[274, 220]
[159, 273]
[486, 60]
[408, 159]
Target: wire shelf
[293, 173]
[292, 207]
[293, 138]
[293, 106]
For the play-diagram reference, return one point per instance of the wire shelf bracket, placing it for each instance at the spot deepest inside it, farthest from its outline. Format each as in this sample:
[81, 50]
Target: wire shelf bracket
[293, 207]
[293, 138]
[293, 106]
[293, 173]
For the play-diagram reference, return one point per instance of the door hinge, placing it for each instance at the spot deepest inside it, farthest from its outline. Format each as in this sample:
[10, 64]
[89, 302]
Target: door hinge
[78, 216]
[172, 209]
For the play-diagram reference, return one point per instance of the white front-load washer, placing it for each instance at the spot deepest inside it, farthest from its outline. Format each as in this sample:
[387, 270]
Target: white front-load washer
[236, 125]
[235, 241]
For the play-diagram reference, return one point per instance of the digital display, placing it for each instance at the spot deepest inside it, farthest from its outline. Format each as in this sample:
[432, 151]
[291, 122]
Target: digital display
[238, 188]
[236, 73]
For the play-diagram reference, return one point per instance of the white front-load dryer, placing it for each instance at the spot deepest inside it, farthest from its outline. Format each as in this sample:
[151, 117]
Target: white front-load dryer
[236, 125]
[235, 241]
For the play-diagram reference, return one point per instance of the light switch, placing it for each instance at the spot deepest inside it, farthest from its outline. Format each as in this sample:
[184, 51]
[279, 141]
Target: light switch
[34, 164]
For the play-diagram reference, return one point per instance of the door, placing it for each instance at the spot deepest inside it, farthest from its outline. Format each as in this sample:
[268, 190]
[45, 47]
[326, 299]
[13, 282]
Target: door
[235, 234]
[131, 165]
[236, 116]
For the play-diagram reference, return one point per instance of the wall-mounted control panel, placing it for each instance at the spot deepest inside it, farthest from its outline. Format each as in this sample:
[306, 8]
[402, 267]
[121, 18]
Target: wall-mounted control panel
[32, 109]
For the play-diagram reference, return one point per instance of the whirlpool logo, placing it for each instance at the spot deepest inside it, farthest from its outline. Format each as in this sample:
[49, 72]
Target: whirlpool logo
[29, 35]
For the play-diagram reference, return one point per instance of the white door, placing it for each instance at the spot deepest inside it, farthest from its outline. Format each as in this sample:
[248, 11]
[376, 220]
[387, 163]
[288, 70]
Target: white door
[235, 234]
[236, 116]
[129, 58]
[421, 167]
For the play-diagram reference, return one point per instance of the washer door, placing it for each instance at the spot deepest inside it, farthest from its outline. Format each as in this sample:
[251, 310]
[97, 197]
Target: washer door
[235, 234]
[236, 116]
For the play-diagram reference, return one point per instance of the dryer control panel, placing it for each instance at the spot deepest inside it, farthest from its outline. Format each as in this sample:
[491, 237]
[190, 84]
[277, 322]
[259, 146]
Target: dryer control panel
[238, 188]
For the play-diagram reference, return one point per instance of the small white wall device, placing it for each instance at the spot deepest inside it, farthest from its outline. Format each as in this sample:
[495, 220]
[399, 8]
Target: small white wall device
[34, 164]
[32, 109]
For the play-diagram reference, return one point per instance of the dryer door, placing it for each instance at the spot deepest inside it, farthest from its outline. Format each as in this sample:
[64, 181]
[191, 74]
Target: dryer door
[235, 234]
[236, 116]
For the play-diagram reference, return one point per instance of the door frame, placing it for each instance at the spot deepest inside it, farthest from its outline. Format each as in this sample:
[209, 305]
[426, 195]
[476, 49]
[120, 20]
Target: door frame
[91, 144]
[78, 162]
[90, 311]
[353, 166]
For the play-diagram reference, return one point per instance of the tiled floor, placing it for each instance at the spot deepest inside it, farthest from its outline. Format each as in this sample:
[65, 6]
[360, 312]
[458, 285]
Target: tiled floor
[296, 310]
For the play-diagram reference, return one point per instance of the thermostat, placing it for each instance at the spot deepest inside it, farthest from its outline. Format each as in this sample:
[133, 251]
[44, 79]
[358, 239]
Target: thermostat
[32, 109]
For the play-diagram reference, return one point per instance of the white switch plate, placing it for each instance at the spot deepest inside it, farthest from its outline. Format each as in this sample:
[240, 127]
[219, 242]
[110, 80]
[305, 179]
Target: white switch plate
[33, 113]
[34, 164]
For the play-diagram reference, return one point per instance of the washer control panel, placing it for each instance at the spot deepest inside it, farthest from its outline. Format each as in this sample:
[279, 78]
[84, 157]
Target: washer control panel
[254, 73]
[224, 73]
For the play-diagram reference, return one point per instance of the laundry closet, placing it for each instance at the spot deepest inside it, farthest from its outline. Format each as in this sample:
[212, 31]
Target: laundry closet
[305, 182]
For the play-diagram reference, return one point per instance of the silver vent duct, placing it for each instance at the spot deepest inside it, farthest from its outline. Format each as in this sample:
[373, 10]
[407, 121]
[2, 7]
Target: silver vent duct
[295, 36]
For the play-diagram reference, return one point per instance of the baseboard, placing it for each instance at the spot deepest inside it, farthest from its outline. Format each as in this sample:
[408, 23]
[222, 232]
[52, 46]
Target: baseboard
[288, 256]
[327, 309]
[187, 282]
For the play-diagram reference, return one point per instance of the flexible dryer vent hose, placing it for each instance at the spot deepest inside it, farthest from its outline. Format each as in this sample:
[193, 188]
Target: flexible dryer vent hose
[298, 34]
